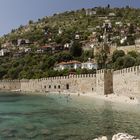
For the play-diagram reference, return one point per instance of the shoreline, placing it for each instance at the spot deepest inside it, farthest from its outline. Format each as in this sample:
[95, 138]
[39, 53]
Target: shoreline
[114, 98]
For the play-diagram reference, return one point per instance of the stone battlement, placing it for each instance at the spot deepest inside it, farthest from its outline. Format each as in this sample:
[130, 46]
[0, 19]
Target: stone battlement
[134, 69]
[103, 82]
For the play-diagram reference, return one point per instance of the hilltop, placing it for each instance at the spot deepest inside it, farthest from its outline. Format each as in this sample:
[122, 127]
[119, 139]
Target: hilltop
[62, 28]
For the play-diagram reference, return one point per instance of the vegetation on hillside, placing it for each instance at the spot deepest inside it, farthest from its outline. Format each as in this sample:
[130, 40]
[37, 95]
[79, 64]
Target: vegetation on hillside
[61, 29]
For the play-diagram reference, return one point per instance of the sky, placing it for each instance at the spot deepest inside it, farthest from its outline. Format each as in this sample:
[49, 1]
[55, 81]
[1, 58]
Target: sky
[14, 13]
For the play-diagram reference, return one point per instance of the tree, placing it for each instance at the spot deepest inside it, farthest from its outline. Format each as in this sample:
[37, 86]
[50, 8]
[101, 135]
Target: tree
[117, 54]
[131, 29]
[101, 59]
[76, 49]
[137, 63]
[119, 63]
[31, 22]
[129, 61]
[133, 54]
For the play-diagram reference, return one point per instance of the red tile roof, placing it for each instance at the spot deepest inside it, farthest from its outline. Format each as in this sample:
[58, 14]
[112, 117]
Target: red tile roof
[70, 62]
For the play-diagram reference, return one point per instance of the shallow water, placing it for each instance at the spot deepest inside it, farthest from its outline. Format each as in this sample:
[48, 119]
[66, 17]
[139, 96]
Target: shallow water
[58, 117]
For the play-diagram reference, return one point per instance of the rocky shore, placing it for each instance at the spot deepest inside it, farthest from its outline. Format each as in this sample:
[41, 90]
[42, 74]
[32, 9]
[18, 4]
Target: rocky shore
[119, 136]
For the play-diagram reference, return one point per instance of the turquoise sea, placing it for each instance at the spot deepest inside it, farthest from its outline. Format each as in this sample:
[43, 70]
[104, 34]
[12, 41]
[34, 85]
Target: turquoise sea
[61, 117]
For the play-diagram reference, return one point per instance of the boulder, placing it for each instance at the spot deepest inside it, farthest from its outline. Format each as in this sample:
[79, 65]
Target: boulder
[124, 136]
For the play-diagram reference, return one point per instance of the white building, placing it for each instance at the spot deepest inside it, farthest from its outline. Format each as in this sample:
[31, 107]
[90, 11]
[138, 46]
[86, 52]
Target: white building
[77, 36]
[68, 65]
[3, 52]
[67, 46]
[27, 50]
[90, 12]
[89, 65]
[112, 14]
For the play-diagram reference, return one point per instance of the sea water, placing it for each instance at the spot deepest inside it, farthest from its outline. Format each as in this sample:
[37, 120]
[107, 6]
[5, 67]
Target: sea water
[63, 117]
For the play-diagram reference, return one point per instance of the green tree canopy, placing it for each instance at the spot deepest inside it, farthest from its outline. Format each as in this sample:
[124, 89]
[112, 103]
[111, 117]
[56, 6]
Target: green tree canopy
[117, 54]
[76, 49]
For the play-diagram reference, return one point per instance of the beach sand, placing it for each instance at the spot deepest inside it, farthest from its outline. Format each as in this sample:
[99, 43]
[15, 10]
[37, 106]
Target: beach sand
[115, 98]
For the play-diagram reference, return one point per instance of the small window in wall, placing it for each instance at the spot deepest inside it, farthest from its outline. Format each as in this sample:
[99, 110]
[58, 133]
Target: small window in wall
[67, 86]
[45, 87]
[49, 86]
[54, 87]
[3, 86]
[59, 87]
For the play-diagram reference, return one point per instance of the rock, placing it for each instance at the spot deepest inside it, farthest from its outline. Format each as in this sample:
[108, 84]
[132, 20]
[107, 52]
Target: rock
[101, 138]
[119, 136]
[123, 136]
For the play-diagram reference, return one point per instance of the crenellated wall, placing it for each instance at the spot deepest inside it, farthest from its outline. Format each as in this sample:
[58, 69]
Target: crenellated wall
[100, 83]
[125, 81]
[74, 83]
[10, 85]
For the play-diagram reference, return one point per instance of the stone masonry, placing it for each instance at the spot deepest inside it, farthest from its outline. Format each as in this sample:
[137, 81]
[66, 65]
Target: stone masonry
[125, 81]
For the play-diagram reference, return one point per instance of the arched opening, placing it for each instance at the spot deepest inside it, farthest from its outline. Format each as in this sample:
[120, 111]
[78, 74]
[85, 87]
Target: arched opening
[59, 87]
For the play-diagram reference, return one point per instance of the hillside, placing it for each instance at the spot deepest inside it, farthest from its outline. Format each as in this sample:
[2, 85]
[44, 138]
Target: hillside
[67, 24]
[32, 51]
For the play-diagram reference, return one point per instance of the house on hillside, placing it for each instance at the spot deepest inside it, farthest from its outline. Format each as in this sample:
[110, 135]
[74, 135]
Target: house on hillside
[89, 65]
[90, 12]
[68, 65]
[23, 42]
[27, 50]
[44, 49]
[77, 36]
[111, 14]
[4, 52]
[57, 48]
[67, 46]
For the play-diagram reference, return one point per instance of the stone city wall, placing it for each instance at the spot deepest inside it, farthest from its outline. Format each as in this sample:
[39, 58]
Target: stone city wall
[10, 85]
[100, 83]
[125, 81]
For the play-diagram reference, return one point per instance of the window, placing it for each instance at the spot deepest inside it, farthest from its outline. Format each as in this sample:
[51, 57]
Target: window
[59, 87]
[67, 86]
[49, 86]
[45, 87]
[54, 87]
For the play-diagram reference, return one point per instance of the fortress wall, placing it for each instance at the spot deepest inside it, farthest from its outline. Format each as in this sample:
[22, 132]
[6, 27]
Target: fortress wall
[127, 81]
[10, 85]
[74, 83]
[126, 49]
[100, 83]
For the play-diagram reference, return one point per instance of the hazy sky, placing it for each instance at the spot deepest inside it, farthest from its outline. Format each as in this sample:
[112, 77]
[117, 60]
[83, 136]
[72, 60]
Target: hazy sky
[14, 13]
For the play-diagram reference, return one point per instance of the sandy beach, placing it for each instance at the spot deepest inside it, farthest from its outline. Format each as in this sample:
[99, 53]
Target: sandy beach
[115, 98]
